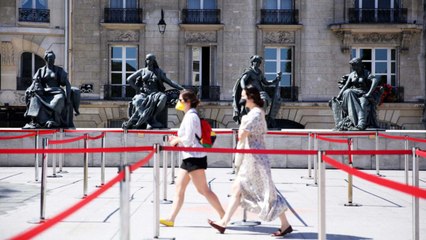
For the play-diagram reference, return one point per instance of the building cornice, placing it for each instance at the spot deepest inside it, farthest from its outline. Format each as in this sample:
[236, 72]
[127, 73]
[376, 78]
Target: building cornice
[32, 30]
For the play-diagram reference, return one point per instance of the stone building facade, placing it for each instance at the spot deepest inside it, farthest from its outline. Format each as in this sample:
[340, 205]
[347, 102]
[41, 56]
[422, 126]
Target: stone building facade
[207, 45]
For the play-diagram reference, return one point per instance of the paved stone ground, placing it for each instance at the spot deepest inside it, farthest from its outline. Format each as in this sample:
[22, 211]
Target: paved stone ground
[383, 214]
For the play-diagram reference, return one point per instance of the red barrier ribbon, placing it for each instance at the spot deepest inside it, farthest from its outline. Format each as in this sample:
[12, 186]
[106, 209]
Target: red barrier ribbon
[421, 153]
[333, 140]
[416, 139]
[16, 137]
[142, 162]
[96, 137]
[348, 134]
[50, 222]
[76, 150]
[70, 140]
[392, 137]
[414, 191]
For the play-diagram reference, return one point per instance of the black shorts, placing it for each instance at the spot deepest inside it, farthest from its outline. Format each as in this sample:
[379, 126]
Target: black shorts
[191, 164]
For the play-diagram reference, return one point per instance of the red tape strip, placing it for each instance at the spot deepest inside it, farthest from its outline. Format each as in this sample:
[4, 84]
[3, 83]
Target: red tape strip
[70, 140]
[392, 137]
[76, 150]
[142, 162]
[333, 140]
[414, 191]
[50, 222]
[16, 137]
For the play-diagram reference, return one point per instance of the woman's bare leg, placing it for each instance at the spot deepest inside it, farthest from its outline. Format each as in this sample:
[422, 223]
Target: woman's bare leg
[234, 202]
[198, 177]
[284, 222]
[181, 184]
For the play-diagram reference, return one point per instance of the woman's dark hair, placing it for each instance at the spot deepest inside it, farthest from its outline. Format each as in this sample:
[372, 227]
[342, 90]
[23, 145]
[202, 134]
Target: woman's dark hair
[191, 97]
[254, 94]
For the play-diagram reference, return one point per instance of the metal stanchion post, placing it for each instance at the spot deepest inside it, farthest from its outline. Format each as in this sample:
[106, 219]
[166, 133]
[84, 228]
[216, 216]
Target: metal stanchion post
[36, 139]
[61, 155]
[86, 166]
[315, 161]
[43, 190]
[123, 161]
[406, 160]
[415, 218]
[321, 198]
[172, 165]
[103, 142]
[234, 146]
[377, 155]
[309, 157]
[165, 201]
[54, 157]
[350, 178]
[156, 193]
[124, 205]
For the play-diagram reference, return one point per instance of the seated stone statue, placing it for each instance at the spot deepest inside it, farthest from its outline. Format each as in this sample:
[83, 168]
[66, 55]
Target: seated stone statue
[354, 108]
[150, 100]
[48, 104]
[254, 76]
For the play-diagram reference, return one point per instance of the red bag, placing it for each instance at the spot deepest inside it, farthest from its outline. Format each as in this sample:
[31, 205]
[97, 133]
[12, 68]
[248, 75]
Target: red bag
[208, 136]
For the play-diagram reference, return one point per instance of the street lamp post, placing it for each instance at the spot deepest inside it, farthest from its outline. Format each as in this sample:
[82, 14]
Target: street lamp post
[162, 24]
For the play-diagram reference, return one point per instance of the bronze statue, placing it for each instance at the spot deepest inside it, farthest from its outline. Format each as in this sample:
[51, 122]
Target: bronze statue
[254, 76]
[48, 105]
[354, 108]
[150, 99]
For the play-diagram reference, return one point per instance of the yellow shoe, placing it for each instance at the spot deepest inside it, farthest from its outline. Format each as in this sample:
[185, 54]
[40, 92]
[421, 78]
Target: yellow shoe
[167, 223]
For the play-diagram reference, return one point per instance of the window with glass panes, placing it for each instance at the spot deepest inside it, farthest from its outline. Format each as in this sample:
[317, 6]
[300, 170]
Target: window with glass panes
[279, 60]
[123, 62]
[278, 4]
[381, 62]
[34, 4]
[30, 63]
[123, 3]
[201, 4]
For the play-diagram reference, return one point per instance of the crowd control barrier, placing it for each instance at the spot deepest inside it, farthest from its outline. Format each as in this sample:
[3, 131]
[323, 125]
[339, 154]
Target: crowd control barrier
[323, 158]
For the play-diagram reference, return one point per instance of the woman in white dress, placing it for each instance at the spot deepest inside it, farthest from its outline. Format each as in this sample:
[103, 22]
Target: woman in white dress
[253, 187]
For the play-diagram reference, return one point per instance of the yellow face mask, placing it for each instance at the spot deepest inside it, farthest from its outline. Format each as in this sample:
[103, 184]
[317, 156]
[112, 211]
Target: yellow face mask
[180, 106]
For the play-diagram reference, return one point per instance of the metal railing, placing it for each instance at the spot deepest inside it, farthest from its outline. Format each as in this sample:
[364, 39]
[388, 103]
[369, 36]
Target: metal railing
[123, 15]
[279, 16]
[377, 15]
[34, 15]
[200, 16]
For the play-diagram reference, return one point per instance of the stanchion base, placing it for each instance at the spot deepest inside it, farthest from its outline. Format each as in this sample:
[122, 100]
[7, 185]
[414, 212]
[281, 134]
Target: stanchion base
[312, 184]
[233, 172]
[36, 221]
[352, 205]
[162, 238]
[54, 176]
[172, 182]
[98, 186]
[246, 223]
[380, 175]
[308, 177]
[165, 201]
[63, 172]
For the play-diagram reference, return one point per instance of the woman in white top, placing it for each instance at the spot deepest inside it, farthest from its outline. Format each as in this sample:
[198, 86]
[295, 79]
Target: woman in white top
[193, 164]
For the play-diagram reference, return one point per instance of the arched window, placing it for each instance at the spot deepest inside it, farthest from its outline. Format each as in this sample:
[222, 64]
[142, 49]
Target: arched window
[30, 62]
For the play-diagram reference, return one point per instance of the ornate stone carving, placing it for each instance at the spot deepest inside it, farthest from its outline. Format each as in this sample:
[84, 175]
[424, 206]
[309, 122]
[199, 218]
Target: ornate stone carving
[281, 37]
[381, 38]
[200, 37]
[7, 54]
[123, 36]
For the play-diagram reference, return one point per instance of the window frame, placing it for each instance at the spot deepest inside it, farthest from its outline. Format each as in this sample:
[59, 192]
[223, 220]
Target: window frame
[34, 4]
[374, 60]
[123, 70]
[278, 62]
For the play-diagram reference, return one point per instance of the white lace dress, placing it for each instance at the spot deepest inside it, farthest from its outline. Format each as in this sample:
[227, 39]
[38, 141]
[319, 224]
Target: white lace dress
[259, 194]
